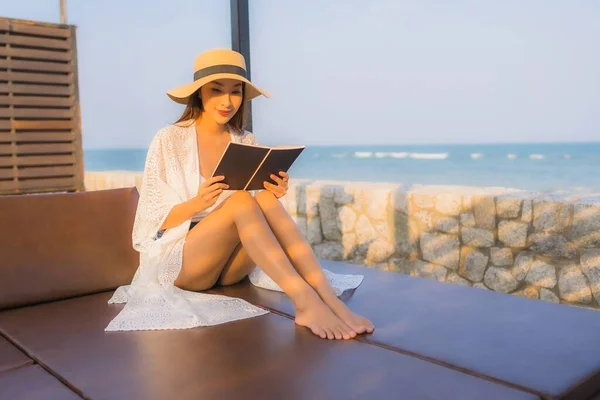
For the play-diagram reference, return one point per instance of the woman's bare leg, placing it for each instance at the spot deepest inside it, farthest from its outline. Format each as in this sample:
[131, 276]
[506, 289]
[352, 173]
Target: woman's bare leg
[208, 247]
[237, 267]
[211, 242]
[301, 256]
[304, 260]
[227, 247]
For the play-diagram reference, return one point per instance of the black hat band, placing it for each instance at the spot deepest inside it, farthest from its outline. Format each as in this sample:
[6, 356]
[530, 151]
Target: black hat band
[219, 69]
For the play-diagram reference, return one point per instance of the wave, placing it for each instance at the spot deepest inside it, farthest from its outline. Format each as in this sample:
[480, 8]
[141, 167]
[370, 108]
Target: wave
[382, 154]
[429, 156]
[401, 154]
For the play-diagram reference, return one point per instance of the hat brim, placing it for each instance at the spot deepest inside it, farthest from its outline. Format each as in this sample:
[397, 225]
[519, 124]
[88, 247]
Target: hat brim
[182, 93]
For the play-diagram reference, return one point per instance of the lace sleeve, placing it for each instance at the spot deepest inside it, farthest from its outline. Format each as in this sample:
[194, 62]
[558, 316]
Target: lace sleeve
[157, 198]
[249, 138]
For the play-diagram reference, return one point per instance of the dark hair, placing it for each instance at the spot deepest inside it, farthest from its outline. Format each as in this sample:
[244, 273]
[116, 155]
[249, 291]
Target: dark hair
[194, 108]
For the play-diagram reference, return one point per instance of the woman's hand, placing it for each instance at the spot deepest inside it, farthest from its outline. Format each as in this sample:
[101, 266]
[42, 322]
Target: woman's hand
[209, 191]
[281, 188]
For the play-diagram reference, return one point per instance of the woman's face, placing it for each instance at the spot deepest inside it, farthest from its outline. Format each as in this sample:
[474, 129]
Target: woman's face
[221, 99]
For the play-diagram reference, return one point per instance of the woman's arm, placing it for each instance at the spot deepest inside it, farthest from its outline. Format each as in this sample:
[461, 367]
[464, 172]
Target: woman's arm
[181, 212]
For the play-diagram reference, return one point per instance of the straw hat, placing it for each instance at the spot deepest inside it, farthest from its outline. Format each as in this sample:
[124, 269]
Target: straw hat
[217, 64]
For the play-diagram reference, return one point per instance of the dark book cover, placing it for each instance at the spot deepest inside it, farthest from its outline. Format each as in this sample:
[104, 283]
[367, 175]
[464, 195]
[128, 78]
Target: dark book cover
[238, 163]
[278, 159]
[247, 166]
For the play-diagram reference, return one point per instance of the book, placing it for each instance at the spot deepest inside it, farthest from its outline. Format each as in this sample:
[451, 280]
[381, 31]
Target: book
[247, 166]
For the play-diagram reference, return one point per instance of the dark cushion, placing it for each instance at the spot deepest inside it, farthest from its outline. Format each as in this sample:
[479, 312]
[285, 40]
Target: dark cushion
[60, 245]
[33, 383]
[551, 349]
[11, 357]
[261, 357]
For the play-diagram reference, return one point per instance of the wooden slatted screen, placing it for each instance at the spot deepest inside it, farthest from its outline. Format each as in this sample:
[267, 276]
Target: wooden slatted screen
[40, 123]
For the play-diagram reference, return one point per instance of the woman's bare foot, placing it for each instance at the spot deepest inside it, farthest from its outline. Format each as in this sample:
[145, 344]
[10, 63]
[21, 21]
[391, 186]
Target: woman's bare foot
[312, 313]
[358, 323]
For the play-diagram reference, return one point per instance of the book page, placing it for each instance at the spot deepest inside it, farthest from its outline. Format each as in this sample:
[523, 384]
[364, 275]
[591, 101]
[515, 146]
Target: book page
[288, 146]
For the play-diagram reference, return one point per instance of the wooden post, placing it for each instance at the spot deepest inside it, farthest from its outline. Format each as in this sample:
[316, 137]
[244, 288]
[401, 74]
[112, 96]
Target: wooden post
[63, 12]
[77, 134]
[240, 41]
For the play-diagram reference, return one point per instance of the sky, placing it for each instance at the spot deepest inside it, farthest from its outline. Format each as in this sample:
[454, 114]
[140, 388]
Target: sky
[346, 72]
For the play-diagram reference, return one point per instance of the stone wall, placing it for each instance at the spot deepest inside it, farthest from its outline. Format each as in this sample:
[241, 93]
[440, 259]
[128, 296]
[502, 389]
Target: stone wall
[543, 246]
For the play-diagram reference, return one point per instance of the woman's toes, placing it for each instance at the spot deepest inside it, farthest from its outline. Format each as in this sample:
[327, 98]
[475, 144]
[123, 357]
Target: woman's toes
[338, 334]
[320, 332]
[369, 326]
[346, 335]
[359, 329]
[348, 331]
[329, 334]
[346, 328]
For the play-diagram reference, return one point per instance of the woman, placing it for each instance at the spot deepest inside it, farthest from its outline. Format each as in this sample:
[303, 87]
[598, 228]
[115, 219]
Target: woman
[193, 234]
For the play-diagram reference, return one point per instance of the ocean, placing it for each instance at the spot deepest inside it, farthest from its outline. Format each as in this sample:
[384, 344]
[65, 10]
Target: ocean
[538, 167]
